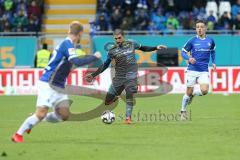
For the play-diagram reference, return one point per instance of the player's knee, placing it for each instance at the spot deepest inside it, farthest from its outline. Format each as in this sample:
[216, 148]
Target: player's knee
[63, 113]
[110, 101]
[64, 117]
[110, 98]
[204, 91]
[41, 112]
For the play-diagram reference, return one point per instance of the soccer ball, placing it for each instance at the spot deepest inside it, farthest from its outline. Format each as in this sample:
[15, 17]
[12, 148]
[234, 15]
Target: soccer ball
[108, 117]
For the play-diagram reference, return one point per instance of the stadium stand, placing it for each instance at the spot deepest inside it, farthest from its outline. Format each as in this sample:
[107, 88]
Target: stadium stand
[60, 13]
[21, 15]
[212, 9]
[224, 6]
[134, 15]
[235, 9]
[165, 15]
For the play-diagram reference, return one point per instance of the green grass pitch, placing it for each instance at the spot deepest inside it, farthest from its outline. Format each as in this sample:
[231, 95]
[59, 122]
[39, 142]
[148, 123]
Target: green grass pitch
[213, 133]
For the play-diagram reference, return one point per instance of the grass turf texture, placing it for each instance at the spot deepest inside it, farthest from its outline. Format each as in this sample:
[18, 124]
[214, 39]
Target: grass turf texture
[212, 134]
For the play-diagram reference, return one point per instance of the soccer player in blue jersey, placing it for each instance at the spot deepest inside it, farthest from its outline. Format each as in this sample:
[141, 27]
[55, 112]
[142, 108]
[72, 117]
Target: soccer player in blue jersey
[201, 48]
[63, 60]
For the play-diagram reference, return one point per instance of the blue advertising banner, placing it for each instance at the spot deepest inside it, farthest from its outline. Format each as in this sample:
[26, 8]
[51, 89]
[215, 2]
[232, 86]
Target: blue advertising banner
[17, 51]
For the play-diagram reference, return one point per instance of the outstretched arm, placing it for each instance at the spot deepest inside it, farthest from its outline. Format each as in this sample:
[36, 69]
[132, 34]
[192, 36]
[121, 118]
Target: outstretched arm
[78, 61]
[148, 48]
[83, 61]
[102, 68]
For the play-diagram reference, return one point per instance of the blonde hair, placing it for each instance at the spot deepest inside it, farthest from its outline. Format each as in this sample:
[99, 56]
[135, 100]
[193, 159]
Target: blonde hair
[75, 27]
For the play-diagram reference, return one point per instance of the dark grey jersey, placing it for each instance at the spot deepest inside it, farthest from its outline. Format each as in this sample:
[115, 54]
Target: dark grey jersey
[125, 59]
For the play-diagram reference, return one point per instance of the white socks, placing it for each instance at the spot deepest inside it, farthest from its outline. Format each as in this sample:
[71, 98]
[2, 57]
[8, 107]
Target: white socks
[185, 102]
[52, 117]
[33, 120]
[29, 123]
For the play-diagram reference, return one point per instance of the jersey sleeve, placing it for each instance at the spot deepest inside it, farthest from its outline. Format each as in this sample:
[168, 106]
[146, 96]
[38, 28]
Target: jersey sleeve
[136, 45]
[212, 51]
[213, 46]
[188, 46]
[103, 67]
[110, 54]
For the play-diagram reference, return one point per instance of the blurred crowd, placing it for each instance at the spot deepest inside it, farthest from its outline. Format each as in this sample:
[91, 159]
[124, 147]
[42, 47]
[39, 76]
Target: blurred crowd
[163, 15]
[21, 15]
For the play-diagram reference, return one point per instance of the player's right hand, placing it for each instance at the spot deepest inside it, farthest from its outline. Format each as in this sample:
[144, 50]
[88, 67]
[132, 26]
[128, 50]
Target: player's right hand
[192, 60]
[97, 54]
[89, 78]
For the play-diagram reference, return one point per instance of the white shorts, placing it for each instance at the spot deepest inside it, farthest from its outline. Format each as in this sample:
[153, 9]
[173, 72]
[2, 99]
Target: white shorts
[47, 97]
[194, 77]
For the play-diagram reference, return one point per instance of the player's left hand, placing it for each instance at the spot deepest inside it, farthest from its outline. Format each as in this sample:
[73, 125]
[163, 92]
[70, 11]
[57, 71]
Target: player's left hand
[214, 67]
[89, 78]
[161, 47]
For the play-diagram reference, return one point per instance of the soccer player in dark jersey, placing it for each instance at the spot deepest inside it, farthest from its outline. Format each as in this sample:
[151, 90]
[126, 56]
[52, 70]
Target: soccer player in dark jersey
[63, 60]
[201, 48]
[126, 67]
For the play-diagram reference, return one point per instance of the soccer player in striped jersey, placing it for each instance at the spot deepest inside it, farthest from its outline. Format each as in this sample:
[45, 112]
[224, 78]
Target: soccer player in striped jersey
[201, 48]
[126, 68]
[63, 60]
